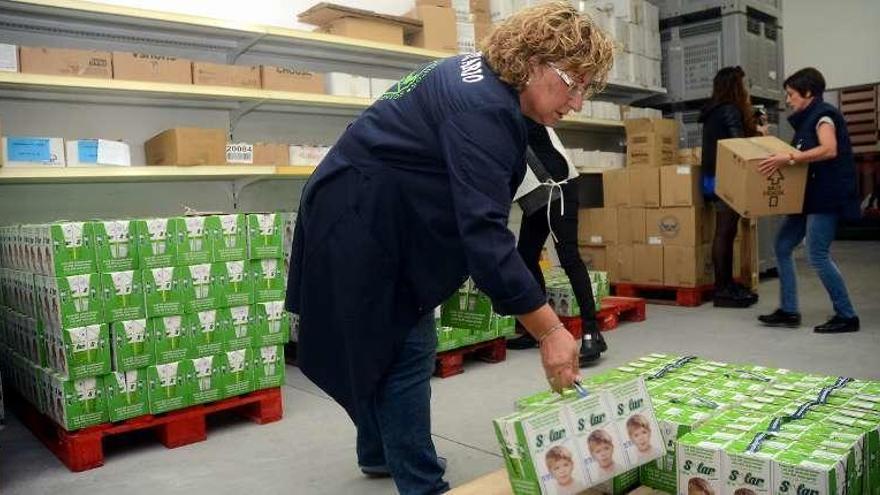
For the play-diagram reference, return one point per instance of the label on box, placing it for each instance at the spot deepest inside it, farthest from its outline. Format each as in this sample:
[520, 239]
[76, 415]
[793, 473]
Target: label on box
[596, 239]
[87, 151]
[655, 240]
[240, 153]
[8, 59]
[28, 150]
[113, 153]
[683, 170]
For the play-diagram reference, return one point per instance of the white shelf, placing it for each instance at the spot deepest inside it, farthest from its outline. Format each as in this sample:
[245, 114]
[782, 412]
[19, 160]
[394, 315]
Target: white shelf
[71, 175]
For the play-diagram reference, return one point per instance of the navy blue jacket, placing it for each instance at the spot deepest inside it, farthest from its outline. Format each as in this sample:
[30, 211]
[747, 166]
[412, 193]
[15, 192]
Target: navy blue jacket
[831, 184]
[413, 198]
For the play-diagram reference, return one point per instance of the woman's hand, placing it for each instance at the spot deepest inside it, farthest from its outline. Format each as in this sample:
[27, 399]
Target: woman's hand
[559, 356]
[773, 163]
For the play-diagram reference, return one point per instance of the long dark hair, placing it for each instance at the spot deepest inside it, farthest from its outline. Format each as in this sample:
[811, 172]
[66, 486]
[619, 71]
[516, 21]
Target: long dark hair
[729, 86]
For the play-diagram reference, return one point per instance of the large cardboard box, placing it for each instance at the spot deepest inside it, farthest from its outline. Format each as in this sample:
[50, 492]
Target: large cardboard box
[170, 386]
[207, 379]
[277, 154]
[687, 266]
[149, 67]
[83, 352]
[127, 395]
[241, 332]
[207, 330]
[597, 226]
[172, 337]
[435, 3]
[747, 191]
[116, 245]
[267, 279]
[651, 142]
[230, 238]
[680, 186]
[616, 188]
[648, 264]
[265, 234]
[194, 241]
[595, 257]
[238, 76]
[165, 291]
[271, 324]
[631, 225]
[123, 295]
[76, 403]
[291, 79]
[187, 146]
[674, 226]
[365, 29]
[620, 263]
[644, 187]
[438, 30]
[132, 346]
[156, 242]
[66, 62]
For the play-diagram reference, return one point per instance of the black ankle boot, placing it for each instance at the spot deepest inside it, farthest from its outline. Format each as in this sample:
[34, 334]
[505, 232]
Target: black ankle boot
[780, 318]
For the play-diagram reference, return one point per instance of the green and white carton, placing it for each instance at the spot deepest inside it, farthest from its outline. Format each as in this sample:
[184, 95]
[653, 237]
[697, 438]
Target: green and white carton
[271, 324]
[241, 329]
[265, 234]
[748, 466]
[127, 395]
[116, 245]
[468, 308]
[269, 279]
[268, 367]
[194, 240]
[172, 337]
[207, 380]
[169, 386]
[238, 283]
[208, 332]
[72, 301]
[67, 248]
[133, 346]
[84, 351]
[157, 242]
[600, 445]
[228, 237]
[633, 412]
[798, 473]
[164, 290]
[203, 288]
[698, 458]
[123, 295]
[77, 403]
[238, 372]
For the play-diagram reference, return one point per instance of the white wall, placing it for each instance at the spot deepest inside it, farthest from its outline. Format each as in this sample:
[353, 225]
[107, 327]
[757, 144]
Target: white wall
[839, 37]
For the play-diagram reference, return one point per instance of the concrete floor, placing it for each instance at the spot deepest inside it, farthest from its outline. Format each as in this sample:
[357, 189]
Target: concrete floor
[311, 451]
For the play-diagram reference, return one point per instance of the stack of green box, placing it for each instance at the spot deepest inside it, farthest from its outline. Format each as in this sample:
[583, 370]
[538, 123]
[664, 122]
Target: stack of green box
[560, 295]
[467, 318]
[109, 320]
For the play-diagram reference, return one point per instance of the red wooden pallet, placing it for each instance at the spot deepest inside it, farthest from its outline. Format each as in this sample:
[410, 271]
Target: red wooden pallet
[617, 309]
[659, 294]
[450, 363]
[82, 449]
[574, 325]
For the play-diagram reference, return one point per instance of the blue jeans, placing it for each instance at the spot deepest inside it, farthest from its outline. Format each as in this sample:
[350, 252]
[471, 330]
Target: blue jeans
[819, 230]
[394, 426]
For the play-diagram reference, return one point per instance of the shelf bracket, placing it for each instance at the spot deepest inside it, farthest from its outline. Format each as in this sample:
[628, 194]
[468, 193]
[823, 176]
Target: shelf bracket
[242, 47]
[243, 109]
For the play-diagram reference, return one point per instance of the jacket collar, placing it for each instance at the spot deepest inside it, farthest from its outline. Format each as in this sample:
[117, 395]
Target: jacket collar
[797, 119]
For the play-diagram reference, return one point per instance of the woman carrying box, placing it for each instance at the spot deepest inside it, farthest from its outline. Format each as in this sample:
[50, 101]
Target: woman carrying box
[822, 141]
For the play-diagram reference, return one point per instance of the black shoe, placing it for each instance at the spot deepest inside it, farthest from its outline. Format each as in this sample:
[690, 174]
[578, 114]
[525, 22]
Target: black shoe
[383, 471]
[780, 318]
[591, 327]
[524, 341]
[746, 292]
[839, 324]
[590, 350]
[729, 297]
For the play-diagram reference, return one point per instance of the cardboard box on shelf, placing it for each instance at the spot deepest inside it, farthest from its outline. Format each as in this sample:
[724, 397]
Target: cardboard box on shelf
[644, 187]
[187, 146]
[238, 76]
[97, 152]
[686, 266]
[674, 226]
[271, 153]
[365, 29]
[647, 264]
[25, 151]
[438, 28]
[747, 191]
[150, 67]
[616, 188]
[651, 142]
[8, 58]
[631, 225]
[481, 30]
[66, 62]
[291, 79]
[680, 186]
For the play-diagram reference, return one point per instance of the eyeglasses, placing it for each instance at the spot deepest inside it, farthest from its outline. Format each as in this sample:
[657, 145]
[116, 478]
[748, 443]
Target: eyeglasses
[573, 89]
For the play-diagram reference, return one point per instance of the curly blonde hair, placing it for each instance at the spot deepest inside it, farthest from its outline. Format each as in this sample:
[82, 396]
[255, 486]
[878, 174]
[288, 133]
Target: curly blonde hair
[553, 32]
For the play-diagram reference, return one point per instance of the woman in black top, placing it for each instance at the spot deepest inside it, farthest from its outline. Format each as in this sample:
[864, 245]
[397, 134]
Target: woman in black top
[727, 115]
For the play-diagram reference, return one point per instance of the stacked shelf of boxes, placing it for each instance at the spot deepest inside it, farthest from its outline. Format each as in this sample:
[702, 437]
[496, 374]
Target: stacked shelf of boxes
[110, 320]
[861, 109]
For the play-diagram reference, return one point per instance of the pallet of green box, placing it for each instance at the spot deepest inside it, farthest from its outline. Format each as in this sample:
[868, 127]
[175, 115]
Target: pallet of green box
[560, 294]
[467, 318]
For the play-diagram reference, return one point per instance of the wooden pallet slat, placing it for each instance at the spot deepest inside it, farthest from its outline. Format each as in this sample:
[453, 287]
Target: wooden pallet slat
[451, 362]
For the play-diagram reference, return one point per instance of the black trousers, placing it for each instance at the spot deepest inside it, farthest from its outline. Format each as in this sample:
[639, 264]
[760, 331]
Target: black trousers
[532, 236]
[726, 225]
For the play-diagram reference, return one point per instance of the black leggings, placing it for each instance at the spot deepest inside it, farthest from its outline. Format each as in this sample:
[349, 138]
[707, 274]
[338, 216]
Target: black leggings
[533, 234]
[726, 224]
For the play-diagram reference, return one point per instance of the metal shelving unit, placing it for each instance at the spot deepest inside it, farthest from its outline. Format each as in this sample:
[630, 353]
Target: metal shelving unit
[73, 175]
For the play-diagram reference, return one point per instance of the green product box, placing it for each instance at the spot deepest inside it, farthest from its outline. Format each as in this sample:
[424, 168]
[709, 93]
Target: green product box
[77, 403]
[194, 241]
[870, 431]
[72, 301]
[796, 472]
[560, 297]
[268, 367]
[173, 338]
[265, 233]
[269, 279]
[747, 387]
[660, 474]
[633, 412]
[698, 458]
[228, 237]
[601, 449]
[468, 309]
[502, 326]
[241, 329]
[209, 331]
[621, 484]
[271, 324]
[84, 351]
[157, 242]
[238, 372]
[116, 245]
[127, 395]
[446, 339]
[238, 283]
[169, 386]
[207, 381]
[203, 287]
[133, 346]
[66, 248]
[749, 471]
[123, 295]
[164, 290]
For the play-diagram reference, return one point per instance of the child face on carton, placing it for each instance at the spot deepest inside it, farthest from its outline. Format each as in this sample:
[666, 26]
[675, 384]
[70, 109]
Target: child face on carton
[639, 432]
[601, 449]
[560, 464]
[699, 486]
